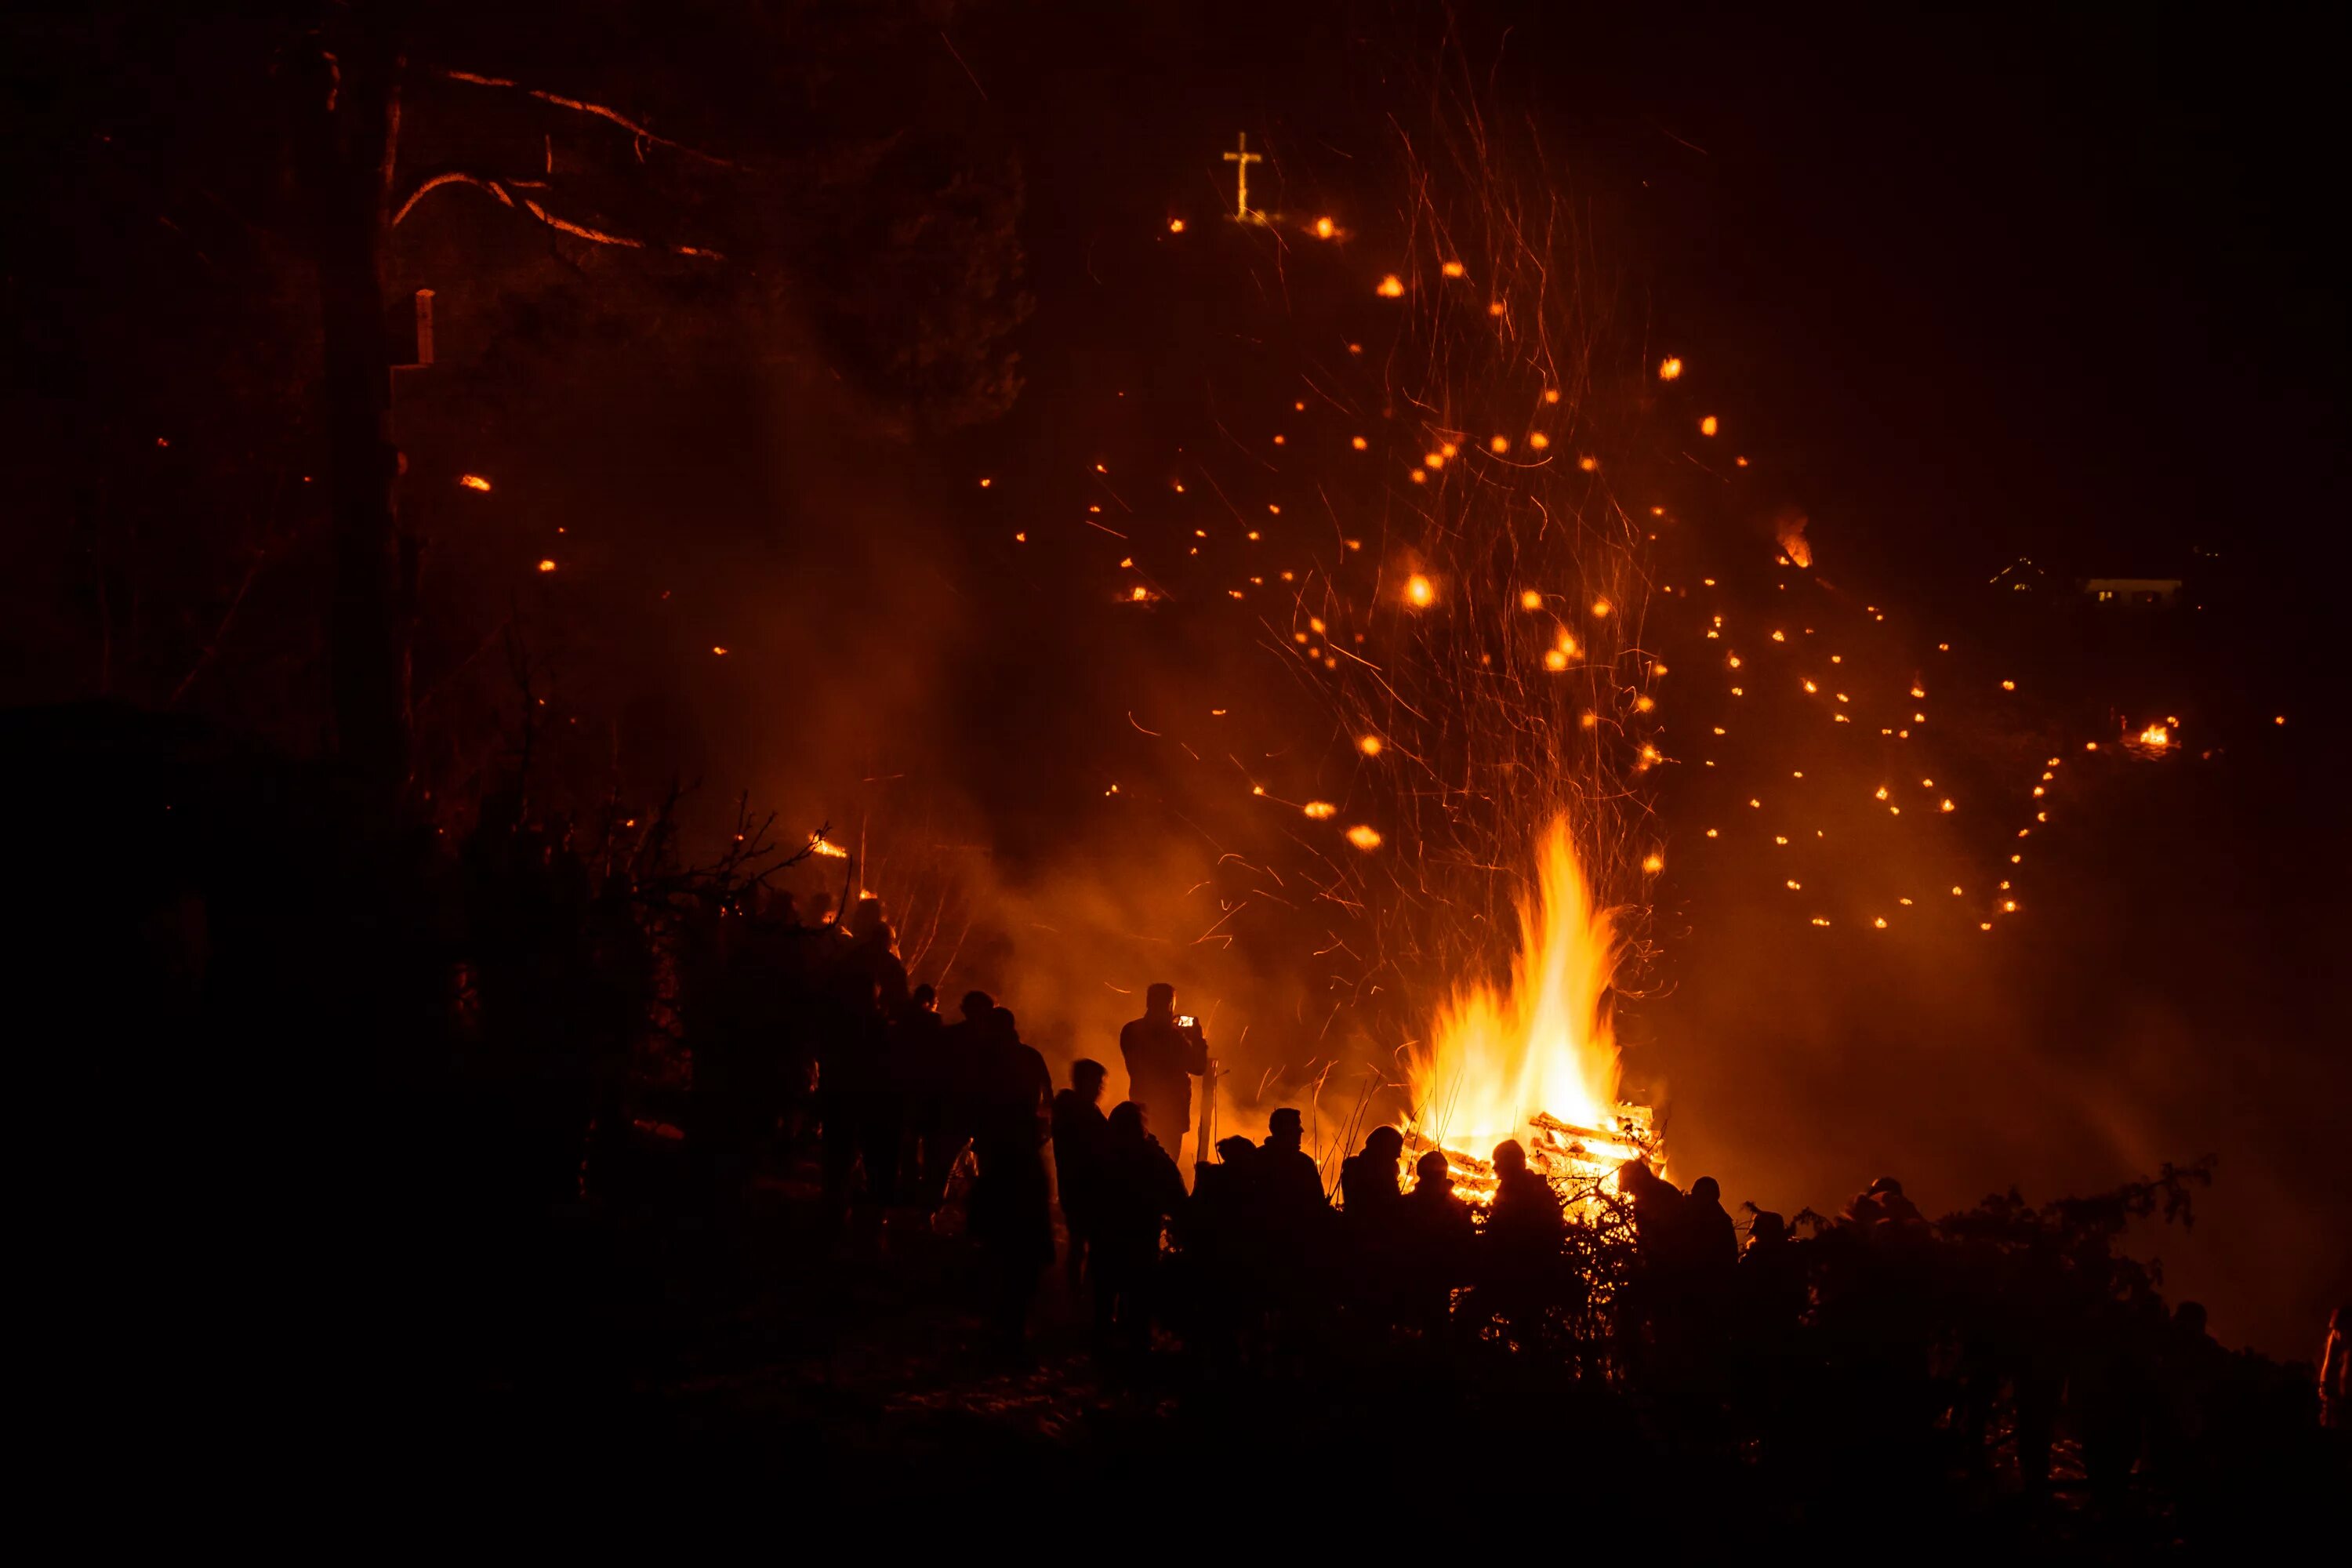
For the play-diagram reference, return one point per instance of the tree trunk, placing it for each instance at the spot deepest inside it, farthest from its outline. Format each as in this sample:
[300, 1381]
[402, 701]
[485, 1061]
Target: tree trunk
[345, 147]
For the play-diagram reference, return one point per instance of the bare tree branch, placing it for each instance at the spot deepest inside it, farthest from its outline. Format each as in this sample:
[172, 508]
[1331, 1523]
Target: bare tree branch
[437, 181]
[634, 128]
[529, 205]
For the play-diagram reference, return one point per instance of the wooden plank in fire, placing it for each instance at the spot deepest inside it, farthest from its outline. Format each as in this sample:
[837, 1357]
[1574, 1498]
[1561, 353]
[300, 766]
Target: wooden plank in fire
[1462, 1164]
[1551, 1123]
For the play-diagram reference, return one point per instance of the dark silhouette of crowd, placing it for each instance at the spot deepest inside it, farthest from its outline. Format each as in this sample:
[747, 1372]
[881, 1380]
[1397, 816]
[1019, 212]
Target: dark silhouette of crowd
[2009, 1343]
[796, 1068]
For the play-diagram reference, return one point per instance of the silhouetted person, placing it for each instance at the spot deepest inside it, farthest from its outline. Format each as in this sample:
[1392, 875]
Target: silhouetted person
[955, 1083]
[1370, 1199]
[1525, 1212]
[1140, 1190]
[871, 970]
[1163, 1057]
[863, 1114]
[1525, 1228]
[1690, 1284]
[914, 1050]
[1367, 1181]
[1223, 1234]
[1227, 1189]
[1436, 1234]
[916, 1071]
[1294, 1226]
[1657, 1204]
[1657, 1208]
[1711, 1239]
[1011, 1202]
[1079, 1130]
[1224, 1196]
[1767, 1302]
[1289, 1187]
[849, 1064]
[1770, 1282]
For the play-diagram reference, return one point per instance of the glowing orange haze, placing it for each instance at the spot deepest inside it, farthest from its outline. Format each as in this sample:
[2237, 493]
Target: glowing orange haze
[1542, 1043]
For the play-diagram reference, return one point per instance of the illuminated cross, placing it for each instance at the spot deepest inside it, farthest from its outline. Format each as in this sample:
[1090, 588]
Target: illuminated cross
[1244, 158]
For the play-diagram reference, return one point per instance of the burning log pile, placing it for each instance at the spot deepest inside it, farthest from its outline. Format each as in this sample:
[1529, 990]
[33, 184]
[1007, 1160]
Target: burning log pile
[1574, 1158]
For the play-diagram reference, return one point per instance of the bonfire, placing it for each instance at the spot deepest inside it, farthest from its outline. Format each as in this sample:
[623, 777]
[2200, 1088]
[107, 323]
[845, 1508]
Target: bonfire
[1536, 1057]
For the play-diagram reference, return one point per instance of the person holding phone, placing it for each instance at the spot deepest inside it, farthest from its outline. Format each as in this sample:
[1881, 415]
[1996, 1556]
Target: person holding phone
[1164, 1051]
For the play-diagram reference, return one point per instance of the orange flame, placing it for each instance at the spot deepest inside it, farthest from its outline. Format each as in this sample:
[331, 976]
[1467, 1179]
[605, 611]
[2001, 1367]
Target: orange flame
[1544, 1044]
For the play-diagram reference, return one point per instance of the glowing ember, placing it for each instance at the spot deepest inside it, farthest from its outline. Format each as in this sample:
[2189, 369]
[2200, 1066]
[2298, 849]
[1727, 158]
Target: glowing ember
[1364, 838]
[1789, 532]
[825, 847]
[1319, 809]
[1419, 590]
[474, 482]
[1392, 286]
[1536, 1058]
[1669, 368]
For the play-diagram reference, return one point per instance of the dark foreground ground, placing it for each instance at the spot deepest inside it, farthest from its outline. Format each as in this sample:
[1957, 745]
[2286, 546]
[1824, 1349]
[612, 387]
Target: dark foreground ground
[625, 1357]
